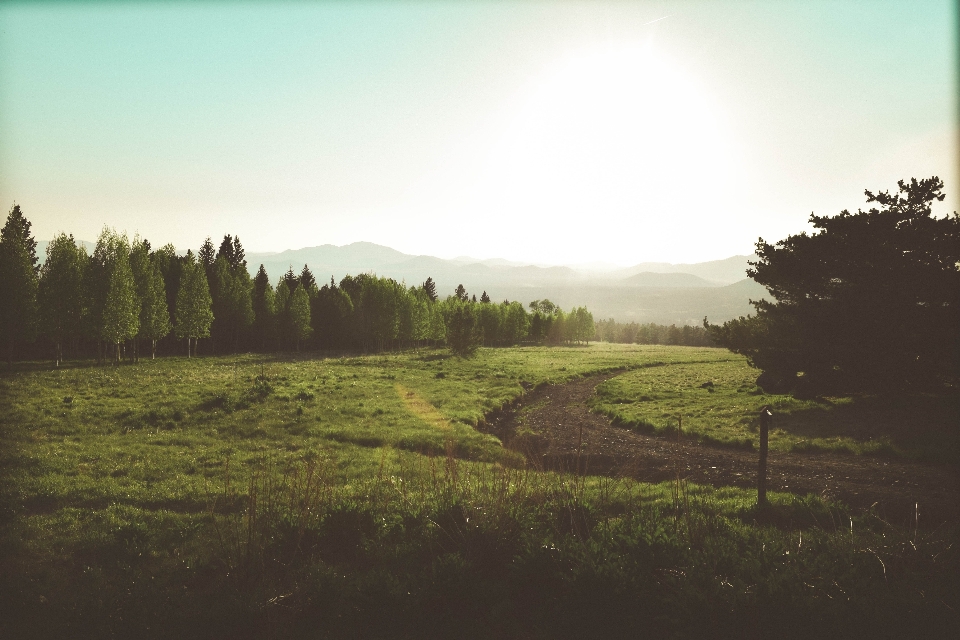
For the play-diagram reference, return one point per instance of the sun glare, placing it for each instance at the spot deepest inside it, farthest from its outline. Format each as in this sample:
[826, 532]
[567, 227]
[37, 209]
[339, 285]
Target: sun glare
[622, 133]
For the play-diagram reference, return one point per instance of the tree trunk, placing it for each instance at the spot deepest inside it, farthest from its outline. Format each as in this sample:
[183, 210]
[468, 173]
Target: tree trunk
[153, 349]
[188, 346]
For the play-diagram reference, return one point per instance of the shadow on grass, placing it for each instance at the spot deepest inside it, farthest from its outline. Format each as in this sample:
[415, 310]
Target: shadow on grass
[919, 426]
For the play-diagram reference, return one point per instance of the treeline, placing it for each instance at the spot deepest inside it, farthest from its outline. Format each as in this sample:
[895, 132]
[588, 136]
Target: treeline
[127, 298]
[650, 333]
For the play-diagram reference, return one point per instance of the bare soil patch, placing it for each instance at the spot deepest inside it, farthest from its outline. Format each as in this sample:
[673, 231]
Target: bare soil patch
[552, 426]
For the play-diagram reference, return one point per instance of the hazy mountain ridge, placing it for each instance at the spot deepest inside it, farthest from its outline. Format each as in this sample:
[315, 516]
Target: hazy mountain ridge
[658, 292]
[647, 292]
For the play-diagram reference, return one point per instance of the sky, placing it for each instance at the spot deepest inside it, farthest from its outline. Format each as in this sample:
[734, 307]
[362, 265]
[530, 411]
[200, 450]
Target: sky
[546, 132]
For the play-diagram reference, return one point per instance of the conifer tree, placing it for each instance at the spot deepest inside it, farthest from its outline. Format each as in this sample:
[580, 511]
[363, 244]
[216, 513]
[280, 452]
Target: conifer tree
[290, 278]
[18, 282]
[264, 323]
[484, 298]
[206, 257]
[431, 289]
[307, 281]
[232, 304]
[239, 256]
[461, 293]
[226, 250]
[330, 314]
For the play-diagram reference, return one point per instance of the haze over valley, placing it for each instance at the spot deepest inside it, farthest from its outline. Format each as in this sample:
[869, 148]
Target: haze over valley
[657, 292]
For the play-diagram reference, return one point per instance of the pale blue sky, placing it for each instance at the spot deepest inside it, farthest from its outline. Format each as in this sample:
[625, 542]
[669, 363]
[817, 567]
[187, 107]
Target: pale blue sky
[554, 132]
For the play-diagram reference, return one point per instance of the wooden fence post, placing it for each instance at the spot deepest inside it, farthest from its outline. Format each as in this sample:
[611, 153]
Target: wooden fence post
[765, 415]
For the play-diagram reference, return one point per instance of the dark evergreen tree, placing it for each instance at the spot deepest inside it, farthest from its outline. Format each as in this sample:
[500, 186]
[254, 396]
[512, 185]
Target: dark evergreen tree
[461, 293]
[330, 314]
[239, 255]
[870, 301]
[206, 257]
[291, 279]
[484, 298]
[430, 287]
[264, 323]
[307, 281]
[232, 303]
[19, 279]
[226, 251]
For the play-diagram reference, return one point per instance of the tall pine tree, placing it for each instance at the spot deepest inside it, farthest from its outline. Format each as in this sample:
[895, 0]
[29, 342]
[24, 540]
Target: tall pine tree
[264, 323]
[18, 282]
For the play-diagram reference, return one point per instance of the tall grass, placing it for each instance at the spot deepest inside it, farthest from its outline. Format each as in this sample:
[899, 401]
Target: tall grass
[229, 498]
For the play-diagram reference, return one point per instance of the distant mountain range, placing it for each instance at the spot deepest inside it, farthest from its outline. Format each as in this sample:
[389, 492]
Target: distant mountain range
[646, 292]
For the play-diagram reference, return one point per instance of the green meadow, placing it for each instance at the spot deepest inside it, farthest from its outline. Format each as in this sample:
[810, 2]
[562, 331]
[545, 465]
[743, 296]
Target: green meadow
[313, 497]
[718, 402]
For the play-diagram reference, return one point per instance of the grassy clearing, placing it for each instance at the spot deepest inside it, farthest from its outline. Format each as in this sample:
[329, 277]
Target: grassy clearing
[719, 403]
[243, 497]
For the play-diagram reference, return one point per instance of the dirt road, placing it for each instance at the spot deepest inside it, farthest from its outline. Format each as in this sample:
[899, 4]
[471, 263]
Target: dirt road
[559, 430]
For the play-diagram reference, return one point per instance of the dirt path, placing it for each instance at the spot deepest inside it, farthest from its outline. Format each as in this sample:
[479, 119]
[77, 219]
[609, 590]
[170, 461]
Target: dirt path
[561, 425]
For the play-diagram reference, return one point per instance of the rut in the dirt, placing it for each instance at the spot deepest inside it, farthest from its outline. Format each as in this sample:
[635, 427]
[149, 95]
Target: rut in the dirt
[560, 432]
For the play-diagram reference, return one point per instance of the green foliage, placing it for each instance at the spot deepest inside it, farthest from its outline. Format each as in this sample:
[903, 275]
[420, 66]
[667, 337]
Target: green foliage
[581, 327]
[60, 290]
[194, 313]
[206, 257]
[232, 300]
[430, 288]
[18, 282]
[330, 314]
[307, 281]
[300, 315]
[651, 333]
[154, 316]
[719, 403]
[464, 330]
[870, 301]
[121, 307]
[264, 310]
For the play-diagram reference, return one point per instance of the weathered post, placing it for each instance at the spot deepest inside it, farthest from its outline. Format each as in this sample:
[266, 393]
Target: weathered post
[765, 415]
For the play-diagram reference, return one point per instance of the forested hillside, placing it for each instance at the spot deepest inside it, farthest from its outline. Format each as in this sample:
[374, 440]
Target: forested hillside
[126, 300]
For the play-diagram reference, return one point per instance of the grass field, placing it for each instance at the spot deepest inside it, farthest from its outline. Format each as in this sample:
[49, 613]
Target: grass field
[720, 403]
[260, 497]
